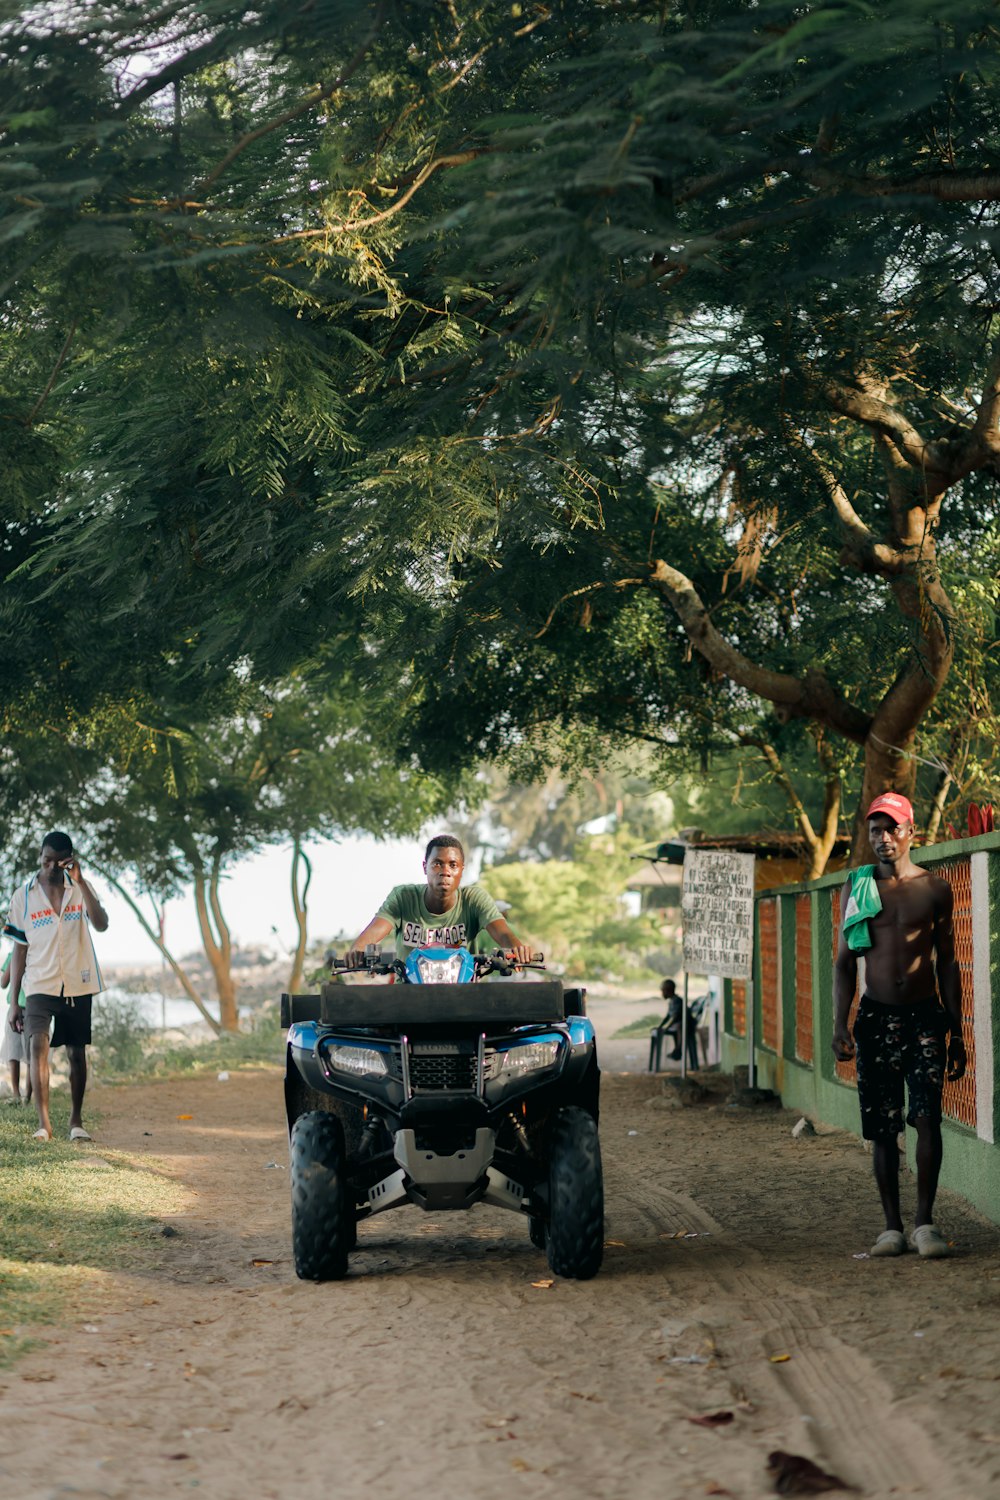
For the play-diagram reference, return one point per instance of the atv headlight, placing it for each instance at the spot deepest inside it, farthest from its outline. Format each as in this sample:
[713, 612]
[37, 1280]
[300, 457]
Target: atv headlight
[356, 1060]
[440, 970]
[524, 1058]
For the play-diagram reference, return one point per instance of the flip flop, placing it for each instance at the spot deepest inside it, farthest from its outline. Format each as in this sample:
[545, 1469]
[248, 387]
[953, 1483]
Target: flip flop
[889, 1242]
[79, 1134]
[41, 1135]
[929, 1242]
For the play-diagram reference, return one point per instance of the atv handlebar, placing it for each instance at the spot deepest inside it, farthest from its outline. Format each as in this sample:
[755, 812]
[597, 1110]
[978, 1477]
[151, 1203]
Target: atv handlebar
[378, 961]
[499, 962]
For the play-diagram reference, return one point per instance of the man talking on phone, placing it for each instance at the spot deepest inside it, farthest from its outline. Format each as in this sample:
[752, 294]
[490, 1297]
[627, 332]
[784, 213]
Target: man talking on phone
[49, 922]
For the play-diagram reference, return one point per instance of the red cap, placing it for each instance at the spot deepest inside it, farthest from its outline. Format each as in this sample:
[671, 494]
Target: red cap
[893, 803]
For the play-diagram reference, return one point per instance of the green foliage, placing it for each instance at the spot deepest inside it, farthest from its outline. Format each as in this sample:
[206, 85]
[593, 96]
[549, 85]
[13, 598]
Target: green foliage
[512, 820]
[120, 1035]
[260, 1043]
[431, 328]
[572, 909]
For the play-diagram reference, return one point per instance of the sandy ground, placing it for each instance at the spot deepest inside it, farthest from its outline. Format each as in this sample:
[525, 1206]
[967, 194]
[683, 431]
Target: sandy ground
[731, 1283]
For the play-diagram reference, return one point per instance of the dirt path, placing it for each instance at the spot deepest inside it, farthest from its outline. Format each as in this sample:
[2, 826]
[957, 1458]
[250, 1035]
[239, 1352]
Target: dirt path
[437, 1368]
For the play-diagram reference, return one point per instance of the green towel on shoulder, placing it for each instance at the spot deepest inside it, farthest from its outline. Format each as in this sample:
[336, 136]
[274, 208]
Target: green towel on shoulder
[863, 902]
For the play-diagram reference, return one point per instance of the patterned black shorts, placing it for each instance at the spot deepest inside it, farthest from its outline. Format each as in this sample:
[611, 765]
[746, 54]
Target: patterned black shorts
[897, 1044]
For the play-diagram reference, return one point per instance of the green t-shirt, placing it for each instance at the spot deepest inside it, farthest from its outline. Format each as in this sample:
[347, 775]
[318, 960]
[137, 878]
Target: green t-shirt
[458, 927]
[4, 961]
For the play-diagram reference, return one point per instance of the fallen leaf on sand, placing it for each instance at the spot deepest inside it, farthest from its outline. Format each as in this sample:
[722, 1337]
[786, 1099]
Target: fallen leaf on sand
[38, 1378]
[617, 1244]
[176, 1455]
[712, 1419]
[498, 1421]
[716, 1489]
[779, 1359]
[259, 1260]
[583, 1396]
[791, 1474]
[549, 1282]
[185, 1117]
[520, 1465]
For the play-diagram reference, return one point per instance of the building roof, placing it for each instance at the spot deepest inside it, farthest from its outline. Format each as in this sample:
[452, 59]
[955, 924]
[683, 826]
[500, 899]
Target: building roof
[767, 843]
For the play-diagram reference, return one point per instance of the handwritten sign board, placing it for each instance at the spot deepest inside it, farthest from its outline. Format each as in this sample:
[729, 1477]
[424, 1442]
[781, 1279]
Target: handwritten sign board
[717, 912]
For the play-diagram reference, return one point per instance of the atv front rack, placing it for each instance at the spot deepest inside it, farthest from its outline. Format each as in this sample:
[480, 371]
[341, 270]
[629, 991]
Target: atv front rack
[498, 1005]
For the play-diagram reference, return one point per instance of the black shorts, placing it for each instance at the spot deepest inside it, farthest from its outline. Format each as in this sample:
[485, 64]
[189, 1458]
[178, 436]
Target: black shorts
[72, 1018]
[899, 1044]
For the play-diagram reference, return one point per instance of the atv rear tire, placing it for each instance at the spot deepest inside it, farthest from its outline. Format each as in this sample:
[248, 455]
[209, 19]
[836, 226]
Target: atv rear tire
[321, 1198]
[575, 1238]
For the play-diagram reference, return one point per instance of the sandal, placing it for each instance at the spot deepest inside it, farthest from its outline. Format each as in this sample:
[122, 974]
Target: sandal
[929, 1242]
[889, 1242]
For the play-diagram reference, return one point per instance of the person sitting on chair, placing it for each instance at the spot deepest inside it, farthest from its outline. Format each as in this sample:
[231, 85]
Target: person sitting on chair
[671, 1023]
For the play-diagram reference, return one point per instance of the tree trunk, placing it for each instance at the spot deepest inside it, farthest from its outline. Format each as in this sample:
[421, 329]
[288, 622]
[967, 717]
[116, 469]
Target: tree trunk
[819, 844]
[827, 836]
[301, 909]
[154, 936]
[890, 764]
[217, 949]
[937, 807]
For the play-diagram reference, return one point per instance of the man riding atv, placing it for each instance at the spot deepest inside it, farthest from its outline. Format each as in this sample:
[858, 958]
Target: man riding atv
[439, 913]
[438, 1091]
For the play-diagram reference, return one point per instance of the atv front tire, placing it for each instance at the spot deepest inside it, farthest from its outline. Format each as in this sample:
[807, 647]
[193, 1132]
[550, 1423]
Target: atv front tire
[575, 1237]
[322, 1204]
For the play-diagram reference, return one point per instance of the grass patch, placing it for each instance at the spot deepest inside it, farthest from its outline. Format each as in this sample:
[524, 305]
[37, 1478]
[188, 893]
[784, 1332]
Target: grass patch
[642, 1027]
[125, 1054]
[71, 1214]
[261, 1044]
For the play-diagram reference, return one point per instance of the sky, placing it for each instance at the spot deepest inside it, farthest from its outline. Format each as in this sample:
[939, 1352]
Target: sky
[350, 881]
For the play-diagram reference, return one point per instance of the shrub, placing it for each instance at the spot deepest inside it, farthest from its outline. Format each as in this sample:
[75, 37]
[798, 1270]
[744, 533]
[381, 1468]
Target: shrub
[120, 1034]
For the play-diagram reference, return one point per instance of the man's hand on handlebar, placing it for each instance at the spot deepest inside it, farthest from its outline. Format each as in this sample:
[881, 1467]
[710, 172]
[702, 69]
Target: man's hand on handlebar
[520, 953]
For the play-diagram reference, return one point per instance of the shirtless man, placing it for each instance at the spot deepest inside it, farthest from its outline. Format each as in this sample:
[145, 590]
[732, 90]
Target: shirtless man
[901, 1024]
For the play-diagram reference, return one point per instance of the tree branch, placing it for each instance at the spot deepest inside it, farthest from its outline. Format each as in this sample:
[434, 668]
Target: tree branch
[314, 97]
[300, 906]
[867, 554]
[811, 696]
[179, 973]
[986, 431]
[981, 187]
[32, 419]
[221, 925]
[865, 406]
[460, 159]
[774, 764]
[586, 588]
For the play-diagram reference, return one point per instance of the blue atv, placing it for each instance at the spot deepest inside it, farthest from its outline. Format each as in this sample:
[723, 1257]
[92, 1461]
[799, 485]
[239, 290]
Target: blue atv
[440, 1091]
